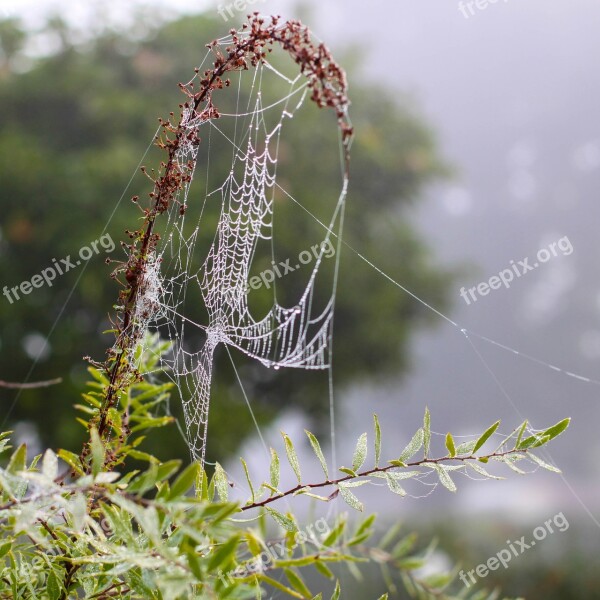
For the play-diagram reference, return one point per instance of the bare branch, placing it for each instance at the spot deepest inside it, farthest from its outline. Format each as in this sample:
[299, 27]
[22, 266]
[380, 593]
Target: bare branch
[29, 386]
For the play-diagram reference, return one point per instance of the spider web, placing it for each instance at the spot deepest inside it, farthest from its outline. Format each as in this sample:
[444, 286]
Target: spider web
[182, 274]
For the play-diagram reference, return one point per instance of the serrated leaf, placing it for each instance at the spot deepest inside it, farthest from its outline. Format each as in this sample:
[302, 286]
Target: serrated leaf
[221, 483]
[445, 479]
[314, 442]
[337, 591]
[283, 520]
[360, 453]
[413, 447]
[450, 445]
[486, 435]
[377, 439]
[427, 431]
[292, 456]
[349, 498]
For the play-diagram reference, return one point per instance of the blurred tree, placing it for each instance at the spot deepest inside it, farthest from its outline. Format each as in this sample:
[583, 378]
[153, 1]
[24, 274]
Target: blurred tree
[73, 129]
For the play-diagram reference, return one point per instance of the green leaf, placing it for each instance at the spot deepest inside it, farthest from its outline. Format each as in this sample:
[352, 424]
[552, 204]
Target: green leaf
[275, 469]
[166, 469]
[394, 486]
[377, 439]
[195, 563]
[292, 456]
[557, 429]
[323, 569]
[5, 547]
[97, 450]
[404, 545]
[224, 554]
[221, 483]
[314, 442]
[279, 586]
[542, 463]
[335, 533]
[297, 583]
[481, 471]
[185, 481]
[4, 440]
[348, 471]
[283, 520]
[349, 498]
[535, 441]
[445, 478]
[466, 447]
[360, 453]
[450, 445]
[249, 481]
[18, 461]
[426, 431]
[487, 434]
[520, 434]
[414, 446]
[438, 581]
[363, 532]
[509, 460]
[337, 591]
[53, 586]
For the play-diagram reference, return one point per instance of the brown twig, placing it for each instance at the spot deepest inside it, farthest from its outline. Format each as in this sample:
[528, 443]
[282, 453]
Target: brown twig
[419, 463]
[30, 386]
